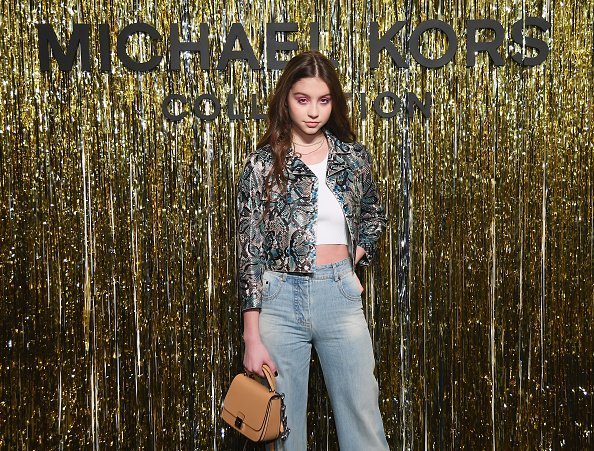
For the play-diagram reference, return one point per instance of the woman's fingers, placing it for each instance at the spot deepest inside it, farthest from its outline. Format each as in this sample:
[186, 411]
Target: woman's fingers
[359, 282]
[255, 356]
[272, 366]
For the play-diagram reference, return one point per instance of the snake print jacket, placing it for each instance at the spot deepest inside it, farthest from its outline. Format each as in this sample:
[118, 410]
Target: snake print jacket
[285, 240]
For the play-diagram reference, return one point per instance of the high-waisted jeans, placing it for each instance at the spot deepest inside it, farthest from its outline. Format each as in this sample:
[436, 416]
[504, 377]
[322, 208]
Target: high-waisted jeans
[323, 309]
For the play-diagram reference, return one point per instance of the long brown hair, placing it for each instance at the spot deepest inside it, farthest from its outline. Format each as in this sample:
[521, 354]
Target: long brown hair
[278, 135]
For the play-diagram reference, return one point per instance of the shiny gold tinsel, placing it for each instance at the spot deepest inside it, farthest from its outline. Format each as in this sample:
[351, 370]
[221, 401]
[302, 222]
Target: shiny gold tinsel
[120, 323]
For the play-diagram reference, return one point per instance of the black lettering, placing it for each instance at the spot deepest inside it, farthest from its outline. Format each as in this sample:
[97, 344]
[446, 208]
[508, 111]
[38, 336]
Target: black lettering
[201, 114]
[314, 35]
[78, 39]
[273, 46]
[256, 114]
[166, 104]
[104, 48]
[377, 104]
[177, 47]
[377, 44]
[413, 101]
[538, 44]
[123, 37]
[473, 47]
[246, 53]
[233, 116]
[415, 43]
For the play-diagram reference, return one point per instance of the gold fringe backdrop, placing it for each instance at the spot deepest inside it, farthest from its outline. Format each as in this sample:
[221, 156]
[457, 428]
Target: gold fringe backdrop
[118, 308]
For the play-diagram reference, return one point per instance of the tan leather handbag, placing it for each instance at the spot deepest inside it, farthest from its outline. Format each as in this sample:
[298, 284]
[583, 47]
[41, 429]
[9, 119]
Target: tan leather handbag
[254, 410]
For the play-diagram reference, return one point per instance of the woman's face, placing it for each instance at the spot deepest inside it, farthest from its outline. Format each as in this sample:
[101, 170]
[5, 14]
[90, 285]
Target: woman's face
[310, 106]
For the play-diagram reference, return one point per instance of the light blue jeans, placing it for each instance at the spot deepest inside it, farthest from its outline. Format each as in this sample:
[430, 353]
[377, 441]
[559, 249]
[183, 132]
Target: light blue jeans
[323, 309]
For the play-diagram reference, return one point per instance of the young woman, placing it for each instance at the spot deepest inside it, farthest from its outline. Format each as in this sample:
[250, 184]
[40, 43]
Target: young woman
[308, 212]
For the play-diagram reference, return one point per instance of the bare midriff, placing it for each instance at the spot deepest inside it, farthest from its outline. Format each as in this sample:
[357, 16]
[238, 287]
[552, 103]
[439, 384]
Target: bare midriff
[331, 253]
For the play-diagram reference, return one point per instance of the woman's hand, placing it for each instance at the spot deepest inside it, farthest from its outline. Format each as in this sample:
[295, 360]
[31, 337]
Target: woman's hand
[255, 356]
[359, 253]
[255, 353]
[359, 282]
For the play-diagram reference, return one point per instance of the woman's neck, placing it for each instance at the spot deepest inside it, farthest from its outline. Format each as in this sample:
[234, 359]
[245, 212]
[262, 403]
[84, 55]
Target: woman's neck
[302, 138]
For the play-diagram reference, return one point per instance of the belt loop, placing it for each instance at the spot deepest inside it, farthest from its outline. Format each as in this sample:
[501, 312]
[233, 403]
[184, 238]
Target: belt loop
[336, 275]
[284, 276]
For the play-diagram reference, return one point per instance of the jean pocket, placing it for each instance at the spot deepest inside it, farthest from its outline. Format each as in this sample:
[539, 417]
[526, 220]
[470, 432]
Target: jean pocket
[349, 287]
[271, 285]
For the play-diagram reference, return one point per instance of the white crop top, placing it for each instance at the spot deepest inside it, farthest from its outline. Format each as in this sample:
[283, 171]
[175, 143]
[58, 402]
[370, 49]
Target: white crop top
[331, 226]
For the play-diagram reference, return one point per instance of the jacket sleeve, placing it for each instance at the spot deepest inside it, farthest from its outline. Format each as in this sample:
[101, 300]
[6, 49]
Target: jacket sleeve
[373, 218]
[249, 235]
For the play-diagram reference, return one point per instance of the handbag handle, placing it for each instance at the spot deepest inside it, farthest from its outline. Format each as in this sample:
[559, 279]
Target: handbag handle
[269, 377]
[272, 383]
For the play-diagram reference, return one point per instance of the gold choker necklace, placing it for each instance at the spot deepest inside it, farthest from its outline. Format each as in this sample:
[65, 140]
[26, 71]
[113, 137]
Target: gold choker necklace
[311, 151]
[309, 145]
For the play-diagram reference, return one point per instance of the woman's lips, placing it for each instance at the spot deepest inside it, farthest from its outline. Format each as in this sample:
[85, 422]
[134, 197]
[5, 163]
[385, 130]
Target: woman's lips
[312, 124]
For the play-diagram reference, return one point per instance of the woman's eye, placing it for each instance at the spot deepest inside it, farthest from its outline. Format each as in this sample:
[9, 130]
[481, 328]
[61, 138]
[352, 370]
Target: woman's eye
[324, 101]
[302, 100]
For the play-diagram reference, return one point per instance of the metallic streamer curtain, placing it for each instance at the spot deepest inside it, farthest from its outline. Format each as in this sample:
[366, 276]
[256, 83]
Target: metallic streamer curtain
[119, 315]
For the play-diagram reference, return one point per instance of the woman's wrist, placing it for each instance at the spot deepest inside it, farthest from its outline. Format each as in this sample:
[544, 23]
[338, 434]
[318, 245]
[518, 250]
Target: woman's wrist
[251, 329]
[251, 337]
[359, 253]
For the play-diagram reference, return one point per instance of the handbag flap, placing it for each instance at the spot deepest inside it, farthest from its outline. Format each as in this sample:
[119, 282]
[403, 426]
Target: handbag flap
[248, 400]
